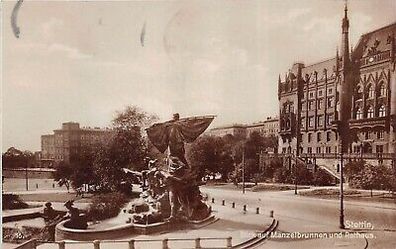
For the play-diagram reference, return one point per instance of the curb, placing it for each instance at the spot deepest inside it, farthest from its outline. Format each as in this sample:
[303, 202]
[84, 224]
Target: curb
[257, 240]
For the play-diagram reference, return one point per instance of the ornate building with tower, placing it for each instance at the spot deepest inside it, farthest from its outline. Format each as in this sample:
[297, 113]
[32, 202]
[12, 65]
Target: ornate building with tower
[344, 104]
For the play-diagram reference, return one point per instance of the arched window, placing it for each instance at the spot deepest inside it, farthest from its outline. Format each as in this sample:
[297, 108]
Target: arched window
[382, 89]
[359, 93]
[382, 111]
[370, 112]
[359, 113]
[287, 123]
[291, 108]
[370, 91]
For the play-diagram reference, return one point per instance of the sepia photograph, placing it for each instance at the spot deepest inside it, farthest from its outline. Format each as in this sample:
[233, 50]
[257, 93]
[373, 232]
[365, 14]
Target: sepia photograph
[181, 124]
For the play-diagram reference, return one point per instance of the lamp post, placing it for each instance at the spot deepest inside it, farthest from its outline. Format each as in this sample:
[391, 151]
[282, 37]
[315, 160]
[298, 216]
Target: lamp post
[295, 178]
[342, 226]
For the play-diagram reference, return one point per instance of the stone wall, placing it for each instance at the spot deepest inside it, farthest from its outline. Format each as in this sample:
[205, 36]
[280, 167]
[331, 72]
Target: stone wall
[32, 173]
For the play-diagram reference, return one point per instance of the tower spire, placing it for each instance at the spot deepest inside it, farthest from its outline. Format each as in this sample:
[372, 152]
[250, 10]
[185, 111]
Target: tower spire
[345, 38]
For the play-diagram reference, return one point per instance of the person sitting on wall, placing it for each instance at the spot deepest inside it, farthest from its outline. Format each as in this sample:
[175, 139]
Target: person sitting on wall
[76, 220]
[49, 214]
[51, 218]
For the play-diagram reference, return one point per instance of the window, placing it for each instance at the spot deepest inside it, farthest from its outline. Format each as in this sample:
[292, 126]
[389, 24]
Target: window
[320, 120]
[311, 94]
[359, 113]
[380, 134]
[320, 93]
[311, 105]
[291, 108]
[328, 149]
[382, 90]
[379, 149]
[382, 111]
[370, 112]
[330, 102]
[366, 135]
[370, 91]
[319, 137]
[303, 107]
[302, 123]
[320, 104]
[309, 149]
[309, 137]
[330, 91]
[311, 122]
[318, 150]
[330, 118]
[359, 93]
[285, 107]
[328, 136]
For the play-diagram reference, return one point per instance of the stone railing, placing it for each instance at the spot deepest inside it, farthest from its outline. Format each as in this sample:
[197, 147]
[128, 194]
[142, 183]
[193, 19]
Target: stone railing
[133, 243]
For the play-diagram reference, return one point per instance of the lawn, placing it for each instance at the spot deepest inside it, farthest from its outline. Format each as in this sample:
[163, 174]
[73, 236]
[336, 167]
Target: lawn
[359, 195]
[259, 187]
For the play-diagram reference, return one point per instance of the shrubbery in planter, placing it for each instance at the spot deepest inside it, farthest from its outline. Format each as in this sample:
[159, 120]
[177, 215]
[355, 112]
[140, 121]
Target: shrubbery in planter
[11, 201]
[106, 206]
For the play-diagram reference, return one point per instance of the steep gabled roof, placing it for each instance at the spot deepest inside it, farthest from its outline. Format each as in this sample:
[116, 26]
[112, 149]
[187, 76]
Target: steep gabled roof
[376, 41]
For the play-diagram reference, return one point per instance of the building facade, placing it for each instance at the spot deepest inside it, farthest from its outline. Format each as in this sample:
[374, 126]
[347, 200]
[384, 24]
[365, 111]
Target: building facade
[69, 140]
[344, 104]
[269, 127]
[236, 130]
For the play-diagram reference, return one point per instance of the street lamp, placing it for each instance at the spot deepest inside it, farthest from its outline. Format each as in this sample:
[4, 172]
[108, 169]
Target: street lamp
[342, 226]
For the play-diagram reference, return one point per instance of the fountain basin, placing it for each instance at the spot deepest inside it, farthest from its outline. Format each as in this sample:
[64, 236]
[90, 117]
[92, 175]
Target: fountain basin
[125, 230]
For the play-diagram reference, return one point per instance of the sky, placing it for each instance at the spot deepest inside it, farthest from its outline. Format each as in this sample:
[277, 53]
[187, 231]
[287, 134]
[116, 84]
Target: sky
[83, 60]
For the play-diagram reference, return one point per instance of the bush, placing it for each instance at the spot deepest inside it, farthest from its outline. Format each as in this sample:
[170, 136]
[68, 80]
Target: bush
[322, 178]
[11, 201]
[372, 177]
[106, 206]
[283, 175]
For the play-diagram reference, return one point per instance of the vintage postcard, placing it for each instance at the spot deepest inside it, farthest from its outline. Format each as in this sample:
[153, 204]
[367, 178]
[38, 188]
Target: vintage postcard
[198, 124]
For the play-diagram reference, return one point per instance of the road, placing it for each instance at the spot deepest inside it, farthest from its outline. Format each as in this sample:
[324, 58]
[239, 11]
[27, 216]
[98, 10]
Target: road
[305, 214]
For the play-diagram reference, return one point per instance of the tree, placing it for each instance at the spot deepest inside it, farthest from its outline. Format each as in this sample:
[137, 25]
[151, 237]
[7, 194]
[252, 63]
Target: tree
[14, 158]
[374, 177]
[79, 171]
[209, 154]
[270, 142]
[128, 148]
[63, 174]
[82, 165]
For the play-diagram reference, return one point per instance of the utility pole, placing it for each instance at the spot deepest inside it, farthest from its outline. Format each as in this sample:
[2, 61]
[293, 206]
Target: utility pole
[243, 170]
[27, 177]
